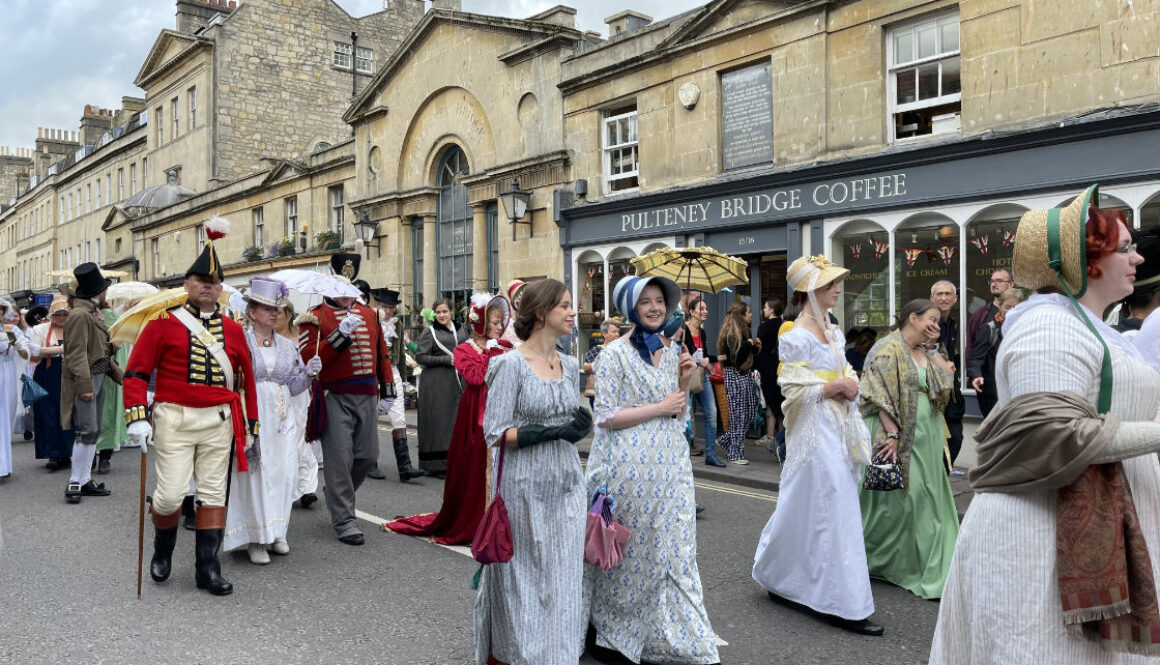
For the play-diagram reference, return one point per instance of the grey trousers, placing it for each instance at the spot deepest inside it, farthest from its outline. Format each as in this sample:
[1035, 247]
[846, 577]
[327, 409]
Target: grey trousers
[87, 425]
[350, 448]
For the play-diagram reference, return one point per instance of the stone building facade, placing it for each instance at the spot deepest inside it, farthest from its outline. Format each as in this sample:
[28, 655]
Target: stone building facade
[902, 137]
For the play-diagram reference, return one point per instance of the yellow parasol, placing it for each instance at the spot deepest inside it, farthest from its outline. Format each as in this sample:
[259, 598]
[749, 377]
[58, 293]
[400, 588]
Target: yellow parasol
[110, 274]
[694, 268]
[130, 324]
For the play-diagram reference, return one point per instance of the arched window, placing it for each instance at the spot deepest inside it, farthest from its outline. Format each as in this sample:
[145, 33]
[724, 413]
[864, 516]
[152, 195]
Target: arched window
[618, 268]
[926, 250]
[454, 237]
[1150, 213]
[863, 247]
[990, 246]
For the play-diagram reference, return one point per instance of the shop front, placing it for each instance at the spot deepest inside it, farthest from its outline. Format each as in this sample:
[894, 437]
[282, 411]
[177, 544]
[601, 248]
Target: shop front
[900, 221]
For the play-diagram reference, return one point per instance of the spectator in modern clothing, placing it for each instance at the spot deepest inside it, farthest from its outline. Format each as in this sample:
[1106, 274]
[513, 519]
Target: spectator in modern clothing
[696, 341]
[1145, 297]
[945, 295]
[739, 350]
[863, 340]
[610, 331]
[1000, 281]
[981, 363]
[766, 364]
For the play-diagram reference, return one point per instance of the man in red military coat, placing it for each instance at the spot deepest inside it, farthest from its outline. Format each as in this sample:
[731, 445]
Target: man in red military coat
[202, 363]
[356, 374]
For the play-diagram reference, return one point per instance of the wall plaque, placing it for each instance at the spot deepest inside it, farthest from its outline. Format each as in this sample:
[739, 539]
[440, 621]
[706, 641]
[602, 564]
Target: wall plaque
[747, 116]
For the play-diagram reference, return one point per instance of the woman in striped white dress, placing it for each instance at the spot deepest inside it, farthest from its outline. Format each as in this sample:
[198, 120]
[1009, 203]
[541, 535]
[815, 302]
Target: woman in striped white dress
[1002, 604]
[530, 610]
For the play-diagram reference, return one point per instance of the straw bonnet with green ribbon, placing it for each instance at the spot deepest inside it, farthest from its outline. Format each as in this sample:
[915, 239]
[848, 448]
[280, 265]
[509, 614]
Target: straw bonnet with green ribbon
[1051, 250]
[810, 273]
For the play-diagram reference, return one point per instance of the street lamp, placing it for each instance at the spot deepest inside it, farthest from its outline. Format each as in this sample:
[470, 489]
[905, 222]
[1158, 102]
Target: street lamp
[366, 229]
[515, 204]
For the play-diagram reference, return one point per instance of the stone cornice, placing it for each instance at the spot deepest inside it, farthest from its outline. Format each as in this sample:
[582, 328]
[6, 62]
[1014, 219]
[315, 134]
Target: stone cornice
[151, 69]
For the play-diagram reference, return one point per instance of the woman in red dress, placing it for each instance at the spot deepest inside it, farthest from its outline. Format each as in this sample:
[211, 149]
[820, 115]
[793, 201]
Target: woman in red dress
[465, 491]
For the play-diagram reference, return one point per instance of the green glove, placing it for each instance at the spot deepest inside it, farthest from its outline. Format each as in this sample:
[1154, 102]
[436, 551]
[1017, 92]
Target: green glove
[578, 428]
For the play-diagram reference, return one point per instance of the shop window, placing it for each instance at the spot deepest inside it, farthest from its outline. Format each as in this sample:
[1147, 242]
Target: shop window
[589, 299]
[1150, 214]
[924, 93]
[863, 247]
[621, 158]
[454, 238]
[618, 268]
[926, 250]
[990, 246]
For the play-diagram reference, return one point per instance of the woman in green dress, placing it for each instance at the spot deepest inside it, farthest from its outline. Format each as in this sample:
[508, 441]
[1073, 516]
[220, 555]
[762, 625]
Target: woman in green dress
[910, 533]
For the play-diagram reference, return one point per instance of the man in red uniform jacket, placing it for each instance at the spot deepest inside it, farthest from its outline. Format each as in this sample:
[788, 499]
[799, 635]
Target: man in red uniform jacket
[356, 374]
[202, 363]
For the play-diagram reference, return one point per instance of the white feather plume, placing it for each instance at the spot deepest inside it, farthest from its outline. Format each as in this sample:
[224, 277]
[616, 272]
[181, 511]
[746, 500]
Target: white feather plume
[217, 227]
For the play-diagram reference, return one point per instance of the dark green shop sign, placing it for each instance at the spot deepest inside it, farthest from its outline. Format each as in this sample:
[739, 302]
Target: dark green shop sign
[757, 206]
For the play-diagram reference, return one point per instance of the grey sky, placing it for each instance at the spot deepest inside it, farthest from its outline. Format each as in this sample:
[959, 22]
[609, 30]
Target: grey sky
[58, 55]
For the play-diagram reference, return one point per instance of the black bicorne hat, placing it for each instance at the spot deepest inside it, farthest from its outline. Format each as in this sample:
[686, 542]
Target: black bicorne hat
[207, 263]
[346, 265]
[90, 282]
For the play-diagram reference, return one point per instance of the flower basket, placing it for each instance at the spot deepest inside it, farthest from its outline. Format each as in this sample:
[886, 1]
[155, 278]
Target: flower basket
[327, 240]
[284, 247]
[251, 254]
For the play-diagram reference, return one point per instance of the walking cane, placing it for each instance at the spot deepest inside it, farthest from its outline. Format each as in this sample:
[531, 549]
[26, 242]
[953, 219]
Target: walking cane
[141, 520]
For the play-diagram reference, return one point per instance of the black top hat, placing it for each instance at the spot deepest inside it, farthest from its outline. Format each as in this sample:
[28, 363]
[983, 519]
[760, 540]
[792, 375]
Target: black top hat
[36, 315]
[386, 296]
[365, 288]
[346, 265]
[90, 282]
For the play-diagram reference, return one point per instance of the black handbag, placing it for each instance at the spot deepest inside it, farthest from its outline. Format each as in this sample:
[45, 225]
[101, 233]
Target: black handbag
[882, 475]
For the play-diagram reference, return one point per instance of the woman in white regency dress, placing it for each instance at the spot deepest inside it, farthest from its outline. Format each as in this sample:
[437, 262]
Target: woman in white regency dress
[811, 551]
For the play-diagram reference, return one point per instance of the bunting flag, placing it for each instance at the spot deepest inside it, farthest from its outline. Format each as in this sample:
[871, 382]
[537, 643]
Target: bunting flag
[880, 248]
[1008, 237]
[947, 253]
[855, 249]
[980, 244]
[912, 256]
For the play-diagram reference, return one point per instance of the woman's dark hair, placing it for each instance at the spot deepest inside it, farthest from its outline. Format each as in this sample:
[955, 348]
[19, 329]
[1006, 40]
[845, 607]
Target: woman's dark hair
[918, 307]
[694, 303]
[536, 300]
[777, 305]
[443, 301]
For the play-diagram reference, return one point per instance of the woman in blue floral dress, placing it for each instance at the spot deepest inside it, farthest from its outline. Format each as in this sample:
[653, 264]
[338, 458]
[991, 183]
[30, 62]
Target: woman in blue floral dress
[651, 607]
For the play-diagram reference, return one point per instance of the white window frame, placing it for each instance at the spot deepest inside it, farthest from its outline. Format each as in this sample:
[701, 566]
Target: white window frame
[259, 218]
[893, 68]
[175, 103]
[159, 114]
[132, 178]
[291, 225]
[192, 94]
[342, 55]
[155, 255]
[608, 149]
[337, 216]
[364, 60]
[121, 184]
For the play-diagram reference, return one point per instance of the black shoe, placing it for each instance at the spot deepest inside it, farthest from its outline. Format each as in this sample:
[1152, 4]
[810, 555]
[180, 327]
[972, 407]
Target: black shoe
[161, 564]
[72, 493]
[92, 489]
[208, 568]
[860, 627]
[27, 435]
[352, 539]
[308, 499]
[376, 473]
[54, 465]
[188, 513]
[103, 467]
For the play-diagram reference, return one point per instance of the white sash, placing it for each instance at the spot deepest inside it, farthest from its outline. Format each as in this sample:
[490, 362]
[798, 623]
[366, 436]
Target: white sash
[209, 342]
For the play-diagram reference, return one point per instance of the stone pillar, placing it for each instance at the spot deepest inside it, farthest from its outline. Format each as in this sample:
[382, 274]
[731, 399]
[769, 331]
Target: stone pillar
[479, 247]
[430, 260]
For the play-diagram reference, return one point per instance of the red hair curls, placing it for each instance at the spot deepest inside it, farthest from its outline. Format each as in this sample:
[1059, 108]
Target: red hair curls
[1103, 236]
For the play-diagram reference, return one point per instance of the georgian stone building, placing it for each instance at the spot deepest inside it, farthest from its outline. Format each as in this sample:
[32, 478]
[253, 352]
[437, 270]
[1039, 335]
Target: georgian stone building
[904, 138]
[239, 97]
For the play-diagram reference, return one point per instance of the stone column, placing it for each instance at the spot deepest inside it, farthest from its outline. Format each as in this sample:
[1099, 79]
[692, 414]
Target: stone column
[430, 260]
[479, 247]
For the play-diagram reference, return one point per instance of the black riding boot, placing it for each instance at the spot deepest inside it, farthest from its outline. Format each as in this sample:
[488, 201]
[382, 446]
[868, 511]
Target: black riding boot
[403, 457]
[189, 512]
[210, 526]
[164, 539]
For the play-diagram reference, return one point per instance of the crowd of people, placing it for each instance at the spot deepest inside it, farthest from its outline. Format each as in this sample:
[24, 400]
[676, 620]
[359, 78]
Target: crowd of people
[1055, 560]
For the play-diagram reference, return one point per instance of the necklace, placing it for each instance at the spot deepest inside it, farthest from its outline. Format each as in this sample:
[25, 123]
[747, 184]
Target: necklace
[267, 342]
[551, 364]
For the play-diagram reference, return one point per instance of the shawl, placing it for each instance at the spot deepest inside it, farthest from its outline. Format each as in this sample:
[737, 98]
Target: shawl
[890, 384]
[288, 369]
[804, 404]
[1106, 582]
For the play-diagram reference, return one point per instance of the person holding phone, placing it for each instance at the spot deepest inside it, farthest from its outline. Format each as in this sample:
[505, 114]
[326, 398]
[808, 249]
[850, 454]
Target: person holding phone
[12, 348]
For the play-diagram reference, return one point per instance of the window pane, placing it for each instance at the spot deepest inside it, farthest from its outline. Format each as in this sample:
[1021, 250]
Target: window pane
[611, 139]
[905, 86]
[904, 46]
[630, 130]
[950, 77]
[927, 41]
[928, 81]
[950, 36]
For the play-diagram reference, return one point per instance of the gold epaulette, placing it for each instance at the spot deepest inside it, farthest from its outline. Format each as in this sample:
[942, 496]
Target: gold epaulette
[305, 318]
